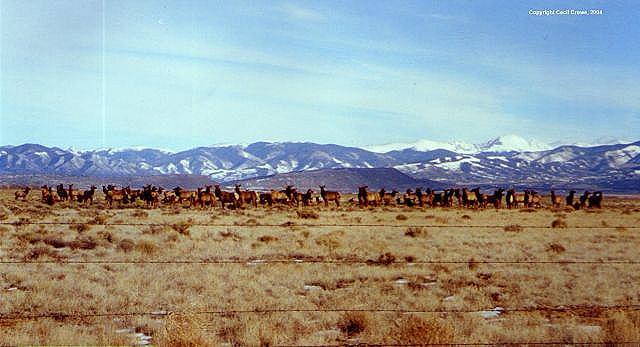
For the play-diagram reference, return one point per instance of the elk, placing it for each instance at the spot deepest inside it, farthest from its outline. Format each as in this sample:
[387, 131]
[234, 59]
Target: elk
[409, 197]
[584, 199]
[329, 195]
[482, 198]
[226, 197]
[514, 199]
[72, 194]
[437, 198]
[185, 195]
[469, 198]
[595, 200]
[22, 194]
[49, 196]
[496, 198]
[307, 198]
[534, 199]
[87, 195]
[206, 197]
[292, 195]
[366, 198]
[62, 193]
[570, 197]
[555, 200]
[274, 197]
[424, 199]
[114, 195]
[388, 198]
[247, 196]
[151, 195]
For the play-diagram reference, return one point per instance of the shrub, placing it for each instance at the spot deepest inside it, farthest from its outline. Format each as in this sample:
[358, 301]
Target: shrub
[106, 235]
[54, 242]
[513, 228]
[556, 247]
[146, 247]
[184, 331]
[559, 223]
[413, 231]
[83, 243]
[267, 238]
[466, 216]
[41, 251]
[99, 219]
[126, 245]
[383, 259]
[418, 330]
[80, 227]
[140, 214]
[352, 323]
[401, 217]
[182, 227]
[308, 214]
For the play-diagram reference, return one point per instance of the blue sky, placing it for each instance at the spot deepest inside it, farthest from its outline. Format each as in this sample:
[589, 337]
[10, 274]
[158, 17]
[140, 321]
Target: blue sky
[180, 74]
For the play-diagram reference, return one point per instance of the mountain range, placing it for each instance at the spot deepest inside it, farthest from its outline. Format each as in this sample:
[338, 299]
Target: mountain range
[504, 160]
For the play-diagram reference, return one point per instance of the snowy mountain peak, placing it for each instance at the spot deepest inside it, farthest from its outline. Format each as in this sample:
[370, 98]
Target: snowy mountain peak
[513, 143]
[505, 143]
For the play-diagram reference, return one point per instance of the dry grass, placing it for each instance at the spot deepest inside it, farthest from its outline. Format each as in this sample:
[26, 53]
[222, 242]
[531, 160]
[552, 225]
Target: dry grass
[559, 223]
[308, 214]
[384, 282]
[513, 228]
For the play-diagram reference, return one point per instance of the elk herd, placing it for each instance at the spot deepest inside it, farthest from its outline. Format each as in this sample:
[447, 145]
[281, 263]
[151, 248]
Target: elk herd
[471, 198]
[212, 196]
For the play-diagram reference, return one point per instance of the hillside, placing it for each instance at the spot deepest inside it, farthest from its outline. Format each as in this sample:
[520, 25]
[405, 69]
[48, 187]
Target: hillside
[345, 180]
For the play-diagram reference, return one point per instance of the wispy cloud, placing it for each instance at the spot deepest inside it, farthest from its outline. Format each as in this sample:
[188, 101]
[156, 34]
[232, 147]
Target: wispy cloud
[297, 12]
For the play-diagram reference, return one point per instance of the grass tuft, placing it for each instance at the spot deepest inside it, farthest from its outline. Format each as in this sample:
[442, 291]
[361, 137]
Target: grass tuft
[559, 223]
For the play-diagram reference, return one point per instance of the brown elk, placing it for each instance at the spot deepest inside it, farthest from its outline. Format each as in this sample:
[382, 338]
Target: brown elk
[113, 195]
[247, 196]
[482, 198]
[570, 197]
[87, 195]
[226, 197]
[306, 198]
[22, 194]
[424, 199]
[469, 198]
[48, 195]
[366, 198]
[183, 195]
[206, 197]
[584, 199]
[409, 198]
[595, 200]
[72, 194]
[388, 198]
[329, 195]
[514, 199]
[496, 198]
[275, 197]
[292, 195]
[555, 199]
[534, 200]
[62, 193]
[169, 197]
[45, 192]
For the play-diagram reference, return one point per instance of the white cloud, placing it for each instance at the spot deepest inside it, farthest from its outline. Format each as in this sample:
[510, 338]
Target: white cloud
[302, 13]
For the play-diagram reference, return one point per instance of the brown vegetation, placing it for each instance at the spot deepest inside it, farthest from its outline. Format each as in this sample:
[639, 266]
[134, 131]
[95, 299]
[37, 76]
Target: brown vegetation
[385, 267]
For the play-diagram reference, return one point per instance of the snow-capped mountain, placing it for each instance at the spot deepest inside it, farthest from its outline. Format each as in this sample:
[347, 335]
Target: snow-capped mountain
[507, 159]
[506, 143]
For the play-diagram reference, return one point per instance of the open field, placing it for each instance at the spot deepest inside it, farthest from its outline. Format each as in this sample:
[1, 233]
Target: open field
[99, 275]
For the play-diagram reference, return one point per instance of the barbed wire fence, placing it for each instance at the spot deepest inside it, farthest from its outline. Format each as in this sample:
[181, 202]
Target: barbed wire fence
[572, 309]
